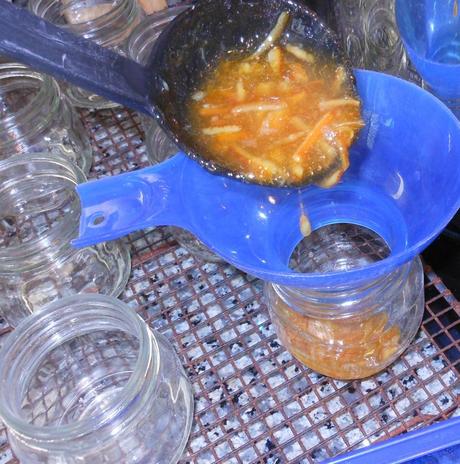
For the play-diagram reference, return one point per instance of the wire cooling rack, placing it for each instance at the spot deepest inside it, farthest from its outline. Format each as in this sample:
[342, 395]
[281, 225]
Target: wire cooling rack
[254, 403]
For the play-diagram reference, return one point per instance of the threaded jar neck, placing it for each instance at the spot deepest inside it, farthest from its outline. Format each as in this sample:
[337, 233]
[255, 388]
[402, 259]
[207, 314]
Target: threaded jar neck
[30, 102]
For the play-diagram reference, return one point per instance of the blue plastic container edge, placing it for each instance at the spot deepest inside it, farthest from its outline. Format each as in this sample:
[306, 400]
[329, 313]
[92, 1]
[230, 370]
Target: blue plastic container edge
[409, 446]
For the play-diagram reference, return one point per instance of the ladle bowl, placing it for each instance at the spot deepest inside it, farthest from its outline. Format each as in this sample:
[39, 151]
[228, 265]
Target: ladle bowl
[403, 183]
[188, 48]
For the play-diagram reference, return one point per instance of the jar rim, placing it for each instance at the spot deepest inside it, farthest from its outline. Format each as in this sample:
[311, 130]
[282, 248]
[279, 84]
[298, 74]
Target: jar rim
[18, 258]
[68, 312]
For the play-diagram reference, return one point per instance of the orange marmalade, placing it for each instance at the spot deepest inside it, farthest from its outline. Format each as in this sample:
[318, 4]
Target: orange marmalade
[345, 348]
[285, 117]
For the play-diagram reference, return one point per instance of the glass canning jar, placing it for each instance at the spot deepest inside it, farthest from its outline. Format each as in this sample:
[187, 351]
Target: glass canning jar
[354, 331]
[106, 22]
[86, 381]
[39, 218]
[34, 117]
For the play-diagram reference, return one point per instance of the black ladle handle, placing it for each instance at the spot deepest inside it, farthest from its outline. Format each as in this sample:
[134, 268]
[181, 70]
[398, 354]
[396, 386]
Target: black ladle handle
[41, 45]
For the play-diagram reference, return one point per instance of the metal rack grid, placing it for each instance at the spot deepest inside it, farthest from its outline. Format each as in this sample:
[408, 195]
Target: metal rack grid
[253, 401]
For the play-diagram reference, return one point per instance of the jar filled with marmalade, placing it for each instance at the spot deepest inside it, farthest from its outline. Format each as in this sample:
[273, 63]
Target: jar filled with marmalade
[356, 330]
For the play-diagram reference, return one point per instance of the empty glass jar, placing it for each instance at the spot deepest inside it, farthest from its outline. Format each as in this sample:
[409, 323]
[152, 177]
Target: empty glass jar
[159, 146]
[354, 331]
[108, 23]
[86, 381]
[34, 117]
[39, 218]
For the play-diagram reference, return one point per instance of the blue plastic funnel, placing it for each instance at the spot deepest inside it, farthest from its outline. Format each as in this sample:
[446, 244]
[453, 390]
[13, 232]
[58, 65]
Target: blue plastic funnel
[403, 183]
[430, 30]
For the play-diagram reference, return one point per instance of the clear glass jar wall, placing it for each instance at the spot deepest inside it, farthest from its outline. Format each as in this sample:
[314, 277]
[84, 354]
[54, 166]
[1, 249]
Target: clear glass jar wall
[107, 23]
[34, 117]
[100, 387]
[355, 331]
[159, 146]
[370, 36]
[40, 216]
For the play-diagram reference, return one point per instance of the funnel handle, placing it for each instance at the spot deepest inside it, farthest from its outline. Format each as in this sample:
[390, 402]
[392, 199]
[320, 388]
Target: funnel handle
[116, 206]
[50, 49]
